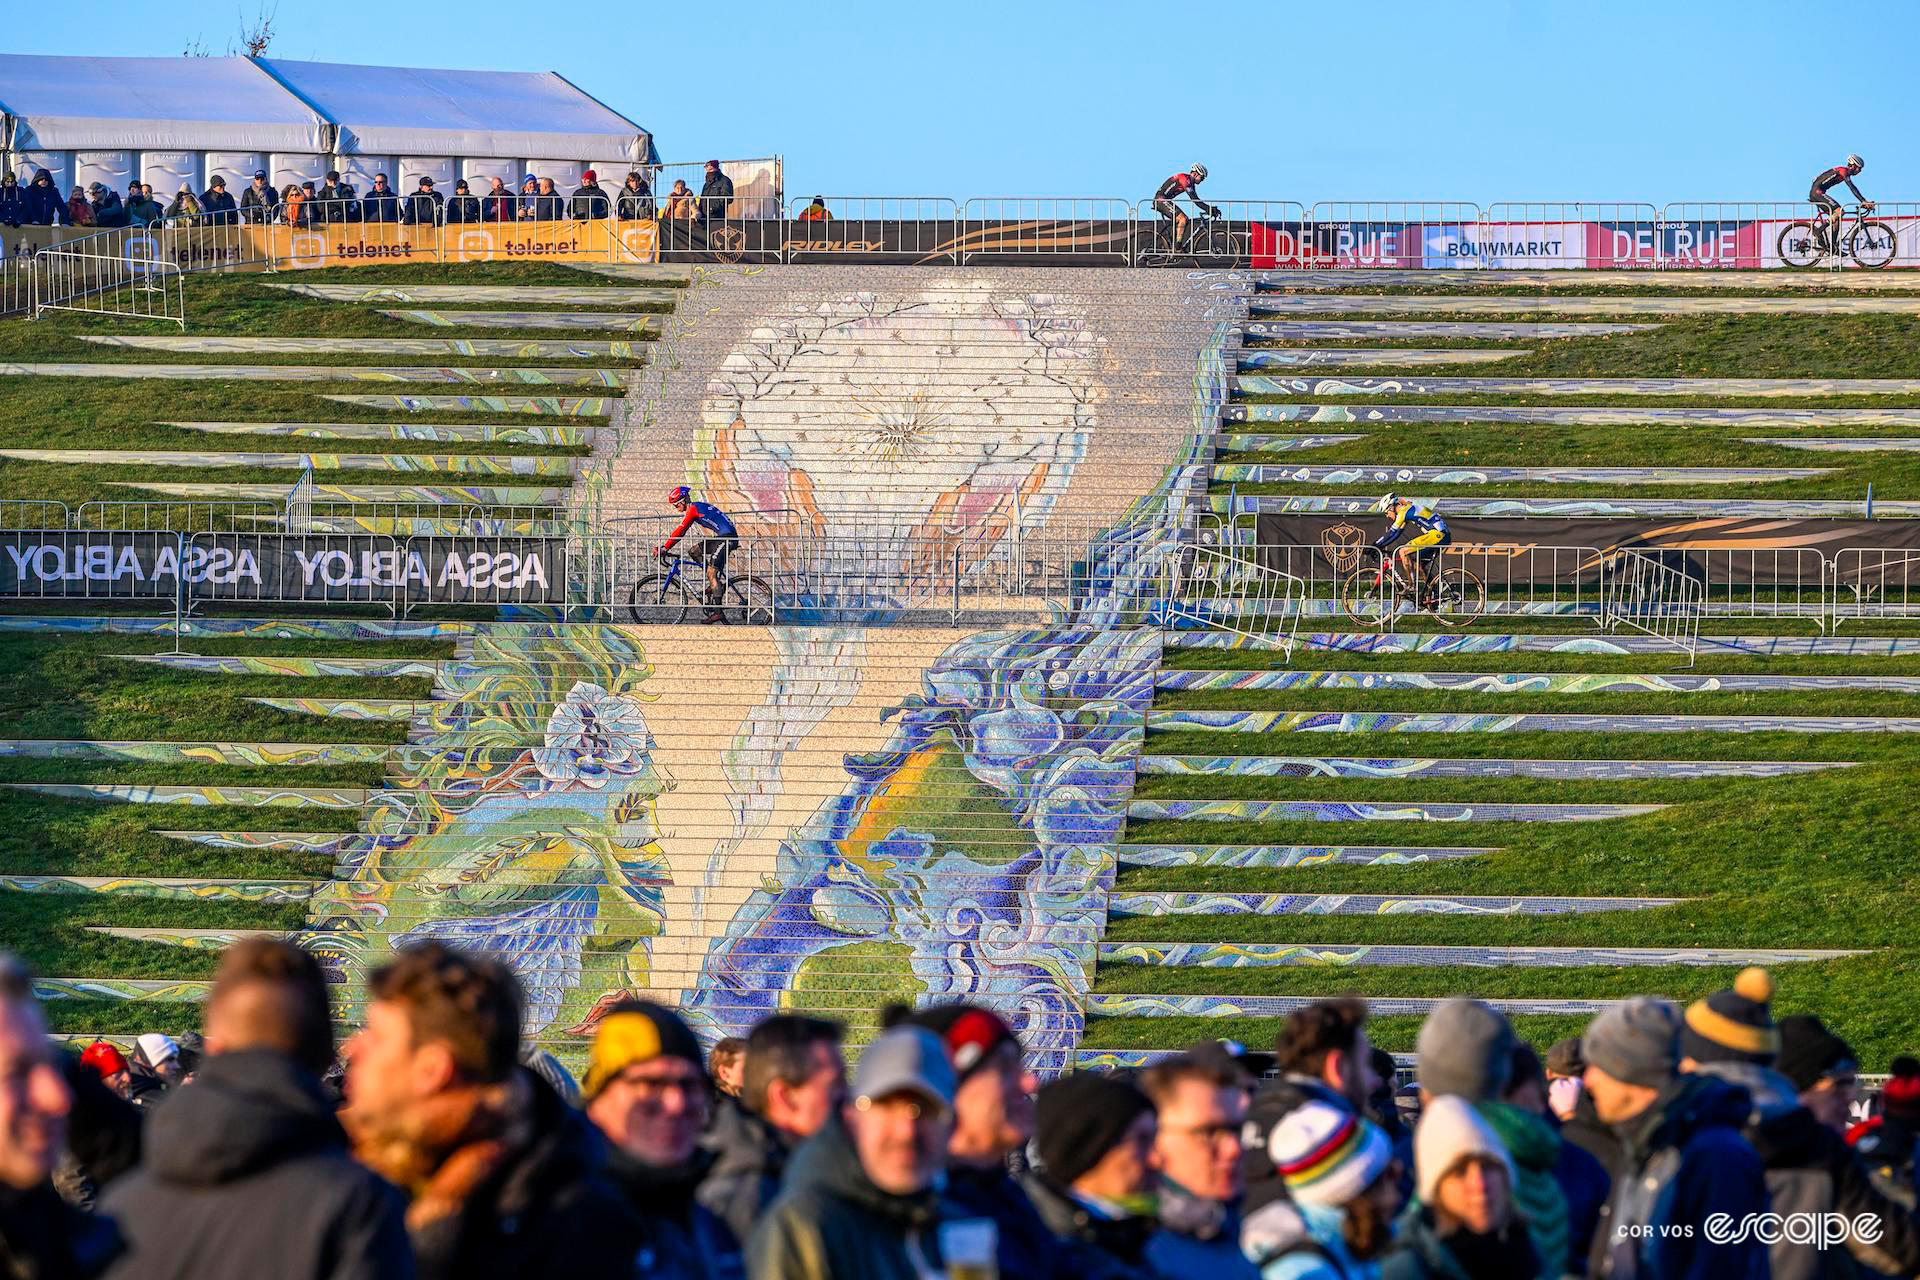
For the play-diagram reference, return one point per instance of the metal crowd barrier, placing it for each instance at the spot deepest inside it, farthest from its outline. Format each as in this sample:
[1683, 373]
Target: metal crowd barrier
[1653, 597]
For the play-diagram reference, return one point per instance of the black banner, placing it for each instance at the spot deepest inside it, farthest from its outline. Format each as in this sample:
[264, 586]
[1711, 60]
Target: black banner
[302, 568]
[1032, 242]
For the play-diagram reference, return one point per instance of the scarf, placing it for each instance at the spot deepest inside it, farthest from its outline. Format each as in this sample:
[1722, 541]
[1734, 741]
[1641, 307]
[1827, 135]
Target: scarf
[447, 1147]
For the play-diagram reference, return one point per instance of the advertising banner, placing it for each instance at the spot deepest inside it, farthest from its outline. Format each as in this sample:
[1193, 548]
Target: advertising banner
[1507, 244]
[253, 247]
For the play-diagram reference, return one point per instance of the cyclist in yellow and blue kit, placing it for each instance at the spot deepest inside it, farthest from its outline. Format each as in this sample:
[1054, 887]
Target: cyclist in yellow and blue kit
[1429, 532]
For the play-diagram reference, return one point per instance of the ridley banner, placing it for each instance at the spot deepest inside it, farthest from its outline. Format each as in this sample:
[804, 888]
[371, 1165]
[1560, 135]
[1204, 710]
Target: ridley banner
[1724, 550]
[288, 568]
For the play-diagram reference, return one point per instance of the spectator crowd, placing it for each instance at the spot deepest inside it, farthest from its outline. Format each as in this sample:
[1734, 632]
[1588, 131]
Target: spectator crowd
[440, 1145]
[308, 204]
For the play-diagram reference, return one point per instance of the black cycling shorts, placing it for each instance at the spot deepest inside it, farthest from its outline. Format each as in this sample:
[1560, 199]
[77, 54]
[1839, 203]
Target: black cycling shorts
[713, 549]
[1165, 208]
[1826, 202]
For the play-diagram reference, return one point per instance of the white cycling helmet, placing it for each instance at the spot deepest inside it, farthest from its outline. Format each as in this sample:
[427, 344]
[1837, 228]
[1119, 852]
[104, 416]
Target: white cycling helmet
[1199, 172]
[1389, 502]
[1855, 163]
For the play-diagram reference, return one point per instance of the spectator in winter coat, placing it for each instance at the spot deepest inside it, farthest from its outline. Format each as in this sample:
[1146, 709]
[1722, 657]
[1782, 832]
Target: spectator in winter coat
[13, 201]
[1464, 1225]
[1564, 1067]
[217, 206]
[529, 188]
[1322, 1192]
[548, 204]
[1684, 1156]
[463, 206]
[423, 208]
[1465, 1050]
[40, 1235]
[861, 1197]
[816, 212]
[1887, 1141]
[293, 201]
[110, 1065]
[1094, 1134]
[1583, 1180]
[107, 209]
[258, 202]
[499, 204]
[504, 1178]
[142, 208]
[716, 193]
[727, 1065]
[680, 201]
[43, 206]
[635, 200]
[795, 1081]
[589, 201]
[1201, 1100]
[79, 209]
[647, 1093]
[993, 1119]
[333, 202]
[247, 1172]
[382, 202]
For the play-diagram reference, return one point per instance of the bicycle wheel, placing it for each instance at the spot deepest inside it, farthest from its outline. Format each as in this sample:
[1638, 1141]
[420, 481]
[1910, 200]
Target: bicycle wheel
[1212, 245]
[1458, 598]
[1871, 245]
[749, 600]
[659, 597]
[1799, 244]
[1367, 598]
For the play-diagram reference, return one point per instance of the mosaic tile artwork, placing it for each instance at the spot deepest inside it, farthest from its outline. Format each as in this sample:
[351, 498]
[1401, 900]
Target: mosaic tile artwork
[1264, 305]
[272, 892]
[549, 377]
[1252, 443]
[1842, 444]
[1256, 361]
[289, 754]
[627, 322]
[1515, 682]
[326, 843]
[244, 665]
[439, 463]
[146, 990]
[1494, 642]
[237, 797]
[550, 295]
[1497, 277]
[502, 495]
[187, 939]
[1436, 722]
[254, 628]
[545, 406]
[432, 432]
[1287, 856]
[1354, 811]
[1125, 1006]
[351, 708]
[490, 348]
[1366, 904]
[1246, 473]
[1552, 415]
[1430, 767]
[1486, 330]
[1267, 385]
[1754, 508]
[1249, 955]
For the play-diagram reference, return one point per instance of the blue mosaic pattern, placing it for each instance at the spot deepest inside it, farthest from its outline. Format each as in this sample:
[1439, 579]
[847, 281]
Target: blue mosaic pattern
[1570, 415]
[1125, 1006]
[1842, 444]
[1363, 642]
[545, 406]
[1352, 811]
[547, 377]
[1268, 857]
[1439, 722]
[1489, 330]
[1770, 280]
[493, 495]
[1261, 955]
[1748, 508]
[242, 665]
[1336, 357]
[238, 797]
[1517, 682]
[556, 434]
[290, 754]
[258, 628]
[1378, 475]
[623, 321]
[1366, 904]
[1283, 444]
[1472, 386]
[274, 892]
[1418, 767]
[1269, 305]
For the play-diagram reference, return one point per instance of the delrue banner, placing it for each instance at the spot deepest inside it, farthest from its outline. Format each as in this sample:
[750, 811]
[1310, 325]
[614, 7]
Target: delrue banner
[314, 568]
[1726, 550]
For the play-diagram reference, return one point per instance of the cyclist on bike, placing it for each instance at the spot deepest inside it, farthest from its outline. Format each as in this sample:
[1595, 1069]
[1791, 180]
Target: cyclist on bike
[710, 547]
[1829, 208]
[1430, 533]
[1182, 184]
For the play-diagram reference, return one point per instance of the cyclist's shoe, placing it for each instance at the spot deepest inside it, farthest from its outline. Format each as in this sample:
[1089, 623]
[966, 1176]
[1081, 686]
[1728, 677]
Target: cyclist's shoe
[716, 616]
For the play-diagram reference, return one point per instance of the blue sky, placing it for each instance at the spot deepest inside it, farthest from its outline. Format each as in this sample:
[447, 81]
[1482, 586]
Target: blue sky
[1489, 100]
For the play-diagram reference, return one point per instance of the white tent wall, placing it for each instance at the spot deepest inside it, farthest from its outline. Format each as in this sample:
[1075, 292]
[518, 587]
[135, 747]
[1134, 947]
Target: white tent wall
[442, 169]
[297, 168]
[58, 163]
[237, 167]
[168, 171]
[478, 171]
[112, 169]
[357, 171]
[159, 104]
[565, 173]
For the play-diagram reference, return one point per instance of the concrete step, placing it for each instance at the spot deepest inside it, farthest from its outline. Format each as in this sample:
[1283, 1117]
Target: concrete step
[1286, 856]
[1256, 361]
[1270, 304]
[1427, 767]
[1251, 955]
[1478, 386]
[1367, 904]
[1484, 330]
[1441, 722]
[436, 463]
[1377, 474]
[290, 754]
[1352, 811]
[1252, 443]
[239, 797]
[546, 295]
[1522, 682]
[635, 322]
[434, 432]
[1104, 1005]
[1722, 508]
[1360, 643]
[555, 376]
[165, 887]
[1570, 415]
[504, 348]
[546, 406]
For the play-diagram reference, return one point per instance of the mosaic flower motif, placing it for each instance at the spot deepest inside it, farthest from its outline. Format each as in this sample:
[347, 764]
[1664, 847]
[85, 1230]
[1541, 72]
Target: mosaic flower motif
[594, 736]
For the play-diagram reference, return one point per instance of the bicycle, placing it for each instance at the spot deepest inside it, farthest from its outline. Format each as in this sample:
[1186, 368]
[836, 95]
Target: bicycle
[1870, 243]
[1206, 241]
[1372, 595]
[676, 596]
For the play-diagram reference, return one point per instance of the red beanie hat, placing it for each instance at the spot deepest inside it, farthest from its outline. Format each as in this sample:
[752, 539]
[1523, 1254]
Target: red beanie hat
[104, 1059]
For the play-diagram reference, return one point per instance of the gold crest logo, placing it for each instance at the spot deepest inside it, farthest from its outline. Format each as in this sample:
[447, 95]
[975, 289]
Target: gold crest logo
[1341, 545]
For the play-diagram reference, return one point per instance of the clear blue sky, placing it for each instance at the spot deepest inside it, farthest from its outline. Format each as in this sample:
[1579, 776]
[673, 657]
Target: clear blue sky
[1488, 100]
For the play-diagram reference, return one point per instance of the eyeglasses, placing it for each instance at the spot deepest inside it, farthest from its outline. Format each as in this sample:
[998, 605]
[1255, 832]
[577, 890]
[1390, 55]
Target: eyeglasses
[654, 1088]
[1208, 1134]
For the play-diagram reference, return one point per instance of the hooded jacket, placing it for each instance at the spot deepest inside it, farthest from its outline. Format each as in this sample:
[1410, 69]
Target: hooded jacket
[13, 202]
[1811, 1169]
[831, 1222]
[1101, 1247]
[1542, 1205]
[1684, 1160]
[44, 205]
[42, 1237]
[1420, 1252]
[247, 1175]
[1290, 1241]
[749, 1157]
[1198, 1237]
[1027, 1247]
[680, 1240]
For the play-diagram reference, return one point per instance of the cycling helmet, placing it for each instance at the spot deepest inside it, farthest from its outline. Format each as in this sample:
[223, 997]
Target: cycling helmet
[1199, 172]
[1389, 502]
[1855, 163]
[680, 493]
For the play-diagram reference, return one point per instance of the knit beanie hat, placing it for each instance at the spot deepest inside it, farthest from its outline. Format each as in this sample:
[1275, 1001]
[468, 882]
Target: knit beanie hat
[1566, 1057]
[1734, 1025]
[637, 1031]
[1900, 1096]
[1465, 1048]
[1449, 1132]
[154, 1048]
[1080, 1117]
[1808, 1051]
[970, 1033]
[1636, 1041]
[104, 1059]
[1327, 1155]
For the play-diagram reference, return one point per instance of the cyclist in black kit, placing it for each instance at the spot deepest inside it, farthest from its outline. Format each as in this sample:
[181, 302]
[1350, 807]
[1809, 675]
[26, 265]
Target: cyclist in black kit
[1182, 184]
[1829, 208]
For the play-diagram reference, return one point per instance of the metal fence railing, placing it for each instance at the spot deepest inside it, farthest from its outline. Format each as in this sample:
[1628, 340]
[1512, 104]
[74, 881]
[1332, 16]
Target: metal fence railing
[1654, 597]
[107, 284]
[1229, 590]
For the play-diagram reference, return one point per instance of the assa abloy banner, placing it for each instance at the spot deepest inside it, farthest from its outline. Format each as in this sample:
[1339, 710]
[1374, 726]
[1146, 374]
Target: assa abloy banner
[292, 568]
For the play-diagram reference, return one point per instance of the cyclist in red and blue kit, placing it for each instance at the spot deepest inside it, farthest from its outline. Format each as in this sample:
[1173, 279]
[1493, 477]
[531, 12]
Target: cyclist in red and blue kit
[1181, 184]
[1825, 182]
[709, 547]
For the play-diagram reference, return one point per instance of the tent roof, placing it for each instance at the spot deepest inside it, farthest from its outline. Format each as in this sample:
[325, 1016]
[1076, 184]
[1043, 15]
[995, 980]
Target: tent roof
[187, 104]
[403, 111]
